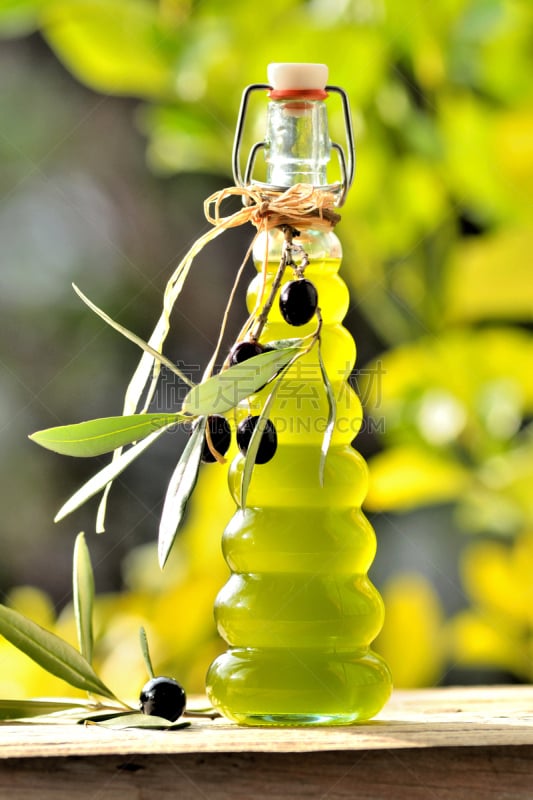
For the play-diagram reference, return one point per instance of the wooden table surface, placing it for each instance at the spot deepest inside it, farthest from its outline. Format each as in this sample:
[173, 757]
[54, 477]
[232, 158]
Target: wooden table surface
[442, 744]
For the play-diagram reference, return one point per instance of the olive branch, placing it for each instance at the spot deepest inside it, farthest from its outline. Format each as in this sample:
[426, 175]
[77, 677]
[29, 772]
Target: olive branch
[75, 666]
[128, 435]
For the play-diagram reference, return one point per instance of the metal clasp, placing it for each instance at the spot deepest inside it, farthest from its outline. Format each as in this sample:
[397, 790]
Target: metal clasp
[346, 160]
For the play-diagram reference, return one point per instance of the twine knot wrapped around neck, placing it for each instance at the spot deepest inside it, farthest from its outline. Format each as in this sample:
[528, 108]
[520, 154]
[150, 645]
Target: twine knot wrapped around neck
[301, 206]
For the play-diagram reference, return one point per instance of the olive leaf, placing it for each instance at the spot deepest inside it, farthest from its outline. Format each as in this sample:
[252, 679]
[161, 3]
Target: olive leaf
[146, 652]
[134, 719]
[51, 652]
[179, 490]
[20, 709]
[146, 374]
[255, 439]
[332, 414]
[105, 475]
[280, 344]
[208, 712]
[98, 436]
[161, 359]
[83, 594]
[253, 446]
[224, 391]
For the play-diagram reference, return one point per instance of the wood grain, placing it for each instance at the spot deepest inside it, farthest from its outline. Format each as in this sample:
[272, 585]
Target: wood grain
[447, 744]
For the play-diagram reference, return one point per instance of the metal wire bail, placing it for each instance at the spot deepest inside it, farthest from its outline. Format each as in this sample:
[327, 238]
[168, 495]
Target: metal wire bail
[346, 160]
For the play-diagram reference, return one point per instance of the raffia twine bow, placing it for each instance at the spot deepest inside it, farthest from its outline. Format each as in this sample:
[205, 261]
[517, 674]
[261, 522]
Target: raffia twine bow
[300, 206]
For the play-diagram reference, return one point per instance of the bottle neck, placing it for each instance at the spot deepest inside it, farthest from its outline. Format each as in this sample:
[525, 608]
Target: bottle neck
[297, 142]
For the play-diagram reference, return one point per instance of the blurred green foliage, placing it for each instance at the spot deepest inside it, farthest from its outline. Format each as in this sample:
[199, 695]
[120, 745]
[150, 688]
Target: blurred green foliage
[438, 242]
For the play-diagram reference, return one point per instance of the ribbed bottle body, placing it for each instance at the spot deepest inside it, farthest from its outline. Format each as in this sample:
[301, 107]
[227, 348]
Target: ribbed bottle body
[299, 612]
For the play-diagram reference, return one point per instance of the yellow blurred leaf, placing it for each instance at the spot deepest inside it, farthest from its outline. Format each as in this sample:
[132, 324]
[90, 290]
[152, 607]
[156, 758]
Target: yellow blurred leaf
[122, 663]
[499, 579]
[487, 372]
[513, 137]
[469, 166]
[33, 603]
[406, 477]
[113, 46]
[475, 640]
[411, 640]
[491, 278]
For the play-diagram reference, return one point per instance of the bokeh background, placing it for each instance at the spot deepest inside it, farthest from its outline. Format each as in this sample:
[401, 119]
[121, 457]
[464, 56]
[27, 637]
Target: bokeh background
[116, 121]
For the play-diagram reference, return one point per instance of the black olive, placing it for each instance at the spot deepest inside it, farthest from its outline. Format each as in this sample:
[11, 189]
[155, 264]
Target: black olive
[269, 438]
[242, 351]
[245, 350]
[298, 301]
[220, 432]
[163, 697]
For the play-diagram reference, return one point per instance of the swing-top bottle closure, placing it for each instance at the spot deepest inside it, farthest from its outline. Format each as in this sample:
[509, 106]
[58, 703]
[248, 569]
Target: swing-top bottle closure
[297, 146]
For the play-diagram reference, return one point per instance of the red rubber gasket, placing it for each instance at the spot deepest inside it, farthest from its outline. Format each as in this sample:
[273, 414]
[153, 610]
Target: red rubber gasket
[300, 94]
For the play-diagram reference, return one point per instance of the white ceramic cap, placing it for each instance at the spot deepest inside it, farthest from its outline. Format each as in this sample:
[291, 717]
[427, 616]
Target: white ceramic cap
[297, 76]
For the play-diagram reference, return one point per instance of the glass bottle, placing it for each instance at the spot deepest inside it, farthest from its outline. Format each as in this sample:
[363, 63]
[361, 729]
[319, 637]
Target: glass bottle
[299, 612]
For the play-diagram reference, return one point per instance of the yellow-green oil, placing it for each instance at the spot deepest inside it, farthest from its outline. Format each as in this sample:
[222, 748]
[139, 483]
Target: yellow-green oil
[299, 612]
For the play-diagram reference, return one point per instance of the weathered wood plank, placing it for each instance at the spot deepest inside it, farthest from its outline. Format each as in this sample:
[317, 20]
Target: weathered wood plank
[445, 744]
[478, 773]
[452, 717]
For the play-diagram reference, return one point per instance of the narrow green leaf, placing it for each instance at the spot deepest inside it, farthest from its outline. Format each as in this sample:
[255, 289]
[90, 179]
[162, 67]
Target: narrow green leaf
[332, 414]
[202, 713]
[136, 720]
[253, 446]
[280, 344]
[102, 505]
[83, 593]
[224, 391]
[179, 490]
[146, 653]
[103, 715]
[21, 709]
[107, 474]
[50, 652]
[255, 440]
[98, 436]
[146, 374]
[145, 377]
[133, 337]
